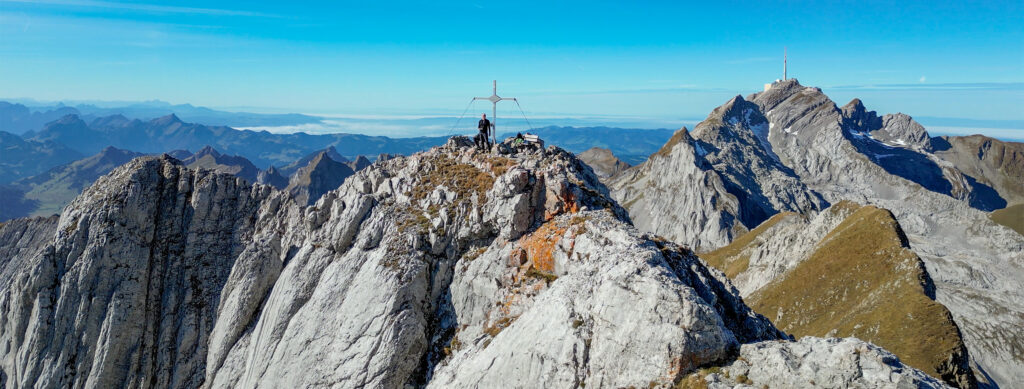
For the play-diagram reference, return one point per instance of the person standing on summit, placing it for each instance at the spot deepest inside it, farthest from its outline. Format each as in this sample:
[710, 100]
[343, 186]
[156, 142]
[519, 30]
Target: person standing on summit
[482, 140]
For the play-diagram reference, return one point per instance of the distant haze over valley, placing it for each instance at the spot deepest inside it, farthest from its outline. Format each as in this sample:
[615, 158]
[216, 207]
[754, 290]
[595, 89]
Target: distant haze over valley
[417, 123]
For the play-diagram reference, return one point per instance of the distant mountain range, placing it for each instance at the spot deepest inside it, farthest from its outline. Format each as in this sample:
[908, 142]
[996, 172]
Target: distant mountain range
[18, 118]
[169, 132]
[47, 193]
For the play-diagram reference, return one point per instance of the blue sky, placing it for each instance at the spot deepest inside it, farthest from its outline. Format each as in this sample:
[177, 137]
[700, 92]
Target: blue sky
[643, 58]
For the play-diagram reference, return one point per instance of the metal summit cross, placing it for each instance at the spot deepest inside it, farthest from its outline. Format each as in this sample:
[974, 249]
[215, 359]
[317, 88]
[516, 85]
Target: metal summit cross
[494, 99]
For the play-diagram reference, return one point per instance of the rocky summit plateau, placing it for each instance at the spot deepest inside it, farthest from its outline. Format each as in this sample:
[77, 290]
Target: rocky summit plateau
[447, 268]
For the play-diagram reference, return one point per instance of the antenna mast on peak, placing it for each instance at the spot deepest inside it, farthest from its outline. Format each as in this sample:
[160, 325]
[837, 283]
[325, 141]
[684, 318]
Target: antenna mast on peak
[784, 63]
[494, 99]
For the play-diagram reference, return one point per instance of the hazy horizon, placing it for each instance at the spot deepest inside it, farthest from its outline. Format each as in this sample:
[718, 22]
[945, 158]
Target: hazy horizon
[653, 60]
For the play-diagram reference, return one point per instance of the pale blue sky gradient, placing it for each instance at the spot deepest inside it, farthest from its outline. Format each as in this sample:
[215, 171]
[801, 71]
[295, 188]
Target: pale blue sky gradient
[658, 59]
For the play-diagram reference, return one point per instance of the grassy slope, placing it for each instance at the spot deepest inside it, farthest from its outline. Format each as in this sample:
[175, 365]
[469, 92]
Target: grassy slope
[1012, 216]
[734, 258]
[861, 281]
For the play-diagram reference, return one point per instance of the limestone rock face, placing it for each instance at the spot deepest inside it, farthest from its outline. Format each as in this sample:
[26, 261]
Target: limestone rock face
[901, 129]
[448, 268]
[604, 163]
[991, 161]
[731, 148]
[563, 317]
[816, 363]
[124, 292]
[693, 207]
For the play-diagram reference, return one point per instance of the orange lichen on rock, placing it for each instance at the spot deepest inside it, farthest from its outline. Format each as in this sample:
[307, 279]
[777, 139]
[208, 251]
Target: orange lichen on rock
[540, 246]
[566, 201]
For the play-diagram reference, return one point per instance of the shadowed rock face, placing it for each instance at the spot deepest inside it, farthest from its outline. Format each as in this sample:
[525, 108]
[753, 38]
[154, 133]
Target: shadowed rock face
[604, 163]
[272, 177]
[421, 270]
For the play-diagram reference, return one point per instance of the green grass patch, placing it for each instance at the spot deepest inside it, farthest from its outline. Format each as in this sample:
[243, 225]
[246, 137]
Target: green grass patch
[1012, 216]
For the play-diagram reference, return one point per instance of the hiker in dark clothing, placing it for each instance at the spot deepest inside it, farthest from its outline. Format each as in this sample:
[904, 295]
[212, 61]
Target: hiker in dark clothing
[482, 141]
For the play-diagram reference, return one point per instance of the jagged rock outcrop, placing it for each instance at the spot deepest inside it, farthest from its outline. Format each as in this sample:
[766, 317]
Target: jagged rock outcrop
[321, 175]
[20, 240]
[991, 161]
[208, 158]
[850, 272]
[900, 129]
[731, 149]
[448, 268]
[272, 177]
[385, 156]
[693, 208]
[604, 163]
[860, 118]
[812, 363]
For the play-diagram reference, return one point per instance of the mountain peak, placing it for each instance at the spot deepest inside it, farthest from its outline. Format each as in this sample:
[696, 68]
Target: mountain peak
[206, 150]
[70, 118]
[167, 120]
[859, 118]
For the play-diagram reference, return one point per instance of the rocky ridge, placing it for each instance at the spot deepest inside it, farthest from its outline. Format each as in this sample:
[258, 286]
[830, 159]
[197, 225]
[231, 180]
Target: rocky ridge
[812, 362]
[707, 187]
[993, 162]
[448, 268]
[848, 271]
[272, 177]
